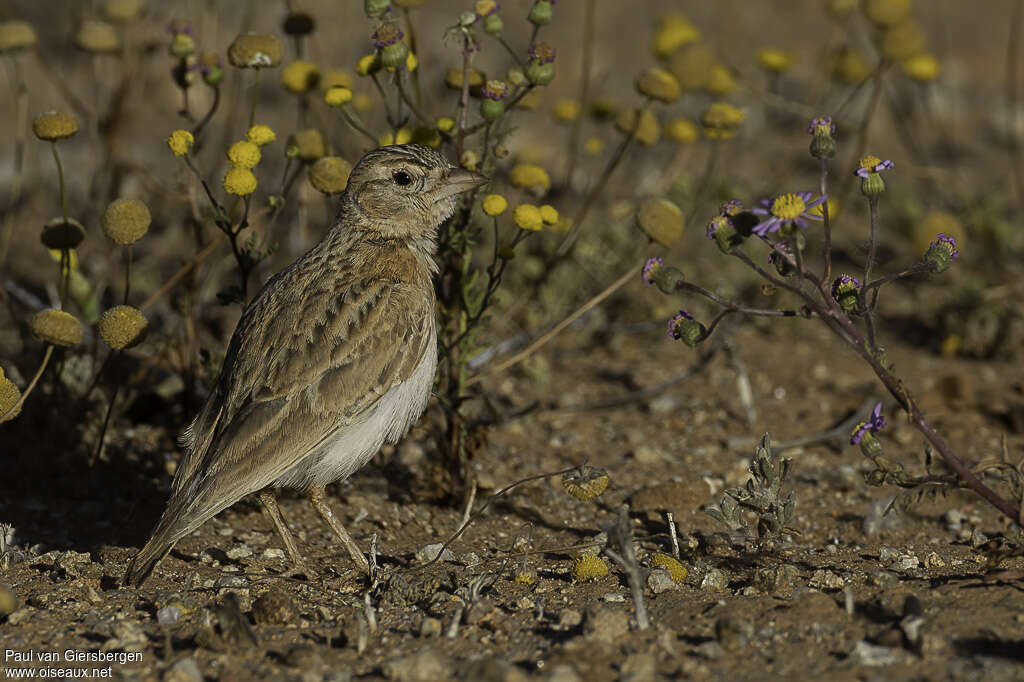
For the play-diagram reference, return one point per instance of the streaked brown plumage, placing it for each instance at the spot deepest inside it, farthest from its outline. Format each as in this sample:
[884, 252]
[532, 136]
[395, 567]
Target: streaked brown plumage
[335, 356]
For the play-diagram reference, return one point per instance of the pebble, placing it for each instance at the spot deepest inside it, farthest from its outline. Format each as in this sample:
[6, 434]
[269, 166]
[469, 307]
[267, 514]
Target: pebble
[732, 633]
[168, 615]
[776, 579]
[873, 655]
[640, 667]
[614, 598]
[429, 552]
[604, 624]
[570, 618]
[239, 552]
[826, 581]
[424, 666]
[710, 650]
[659, 581]
[274, 607]
[933, 560]
[563, 672]
[273, 553]
[714, 580]
[184, 670]
[20, 616]
[430, 627]
[128, 636]
[304, 656]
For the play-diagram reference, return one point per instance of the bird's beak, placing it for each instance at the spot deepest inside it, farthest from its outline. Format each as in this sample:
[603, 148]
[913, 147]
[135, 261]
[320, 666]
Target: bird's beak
[460, 180]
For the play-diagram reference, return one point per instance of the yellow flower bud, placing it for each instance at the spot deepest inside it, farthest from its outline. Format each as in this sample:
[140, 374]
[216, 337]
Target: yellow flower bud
[530, 175]
[367, 64]
[126, 221]
[691, 66]
[300, 76]
[849, 66]
[887, 12]
[330, 174]
[566, 110]
[336, 78]
[16, 35]
[593, 145]
[446, 125]
[661, 220]
[549, 214]
[902, 41]
[528, 217]
[10, 394]
[122, 11]
[244, 154]
[261, 135]
[721, 121]
[721, 81]
[922, 67]
[308, 145]
[122, 327]
[97, 36]
[54, 125]
[255, 51]
[674, 32]
[658, 84]
[240, 182]
[180, 142]
[646, 132]
[587, 567]
[412, 62]
[772, 59]
[57, 328]
[676, 571]
[337, 96]
[494, 204]
[682, 130]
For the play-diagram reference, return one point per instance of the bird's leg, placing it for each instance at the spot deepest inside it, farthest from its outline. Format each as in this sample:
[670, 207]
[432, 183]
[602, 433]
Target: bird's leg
[316, 496]
[269, 501]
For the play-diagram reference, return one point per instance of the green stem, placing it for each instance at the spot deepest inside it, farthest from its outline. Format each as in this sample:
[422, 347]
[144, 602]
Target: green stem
[255, 99]
[60, 178]
[127, 272]
[31, 385]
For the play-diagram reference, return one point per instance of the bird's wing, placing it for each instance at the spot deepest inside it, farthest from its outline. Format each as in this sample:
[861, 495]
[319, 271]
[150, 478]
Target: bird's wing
[303, 363]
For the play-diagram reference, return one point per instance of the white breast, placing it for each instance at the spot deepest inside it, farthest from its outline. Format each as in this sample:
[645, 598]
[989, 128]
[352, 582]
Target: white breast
[355, 445]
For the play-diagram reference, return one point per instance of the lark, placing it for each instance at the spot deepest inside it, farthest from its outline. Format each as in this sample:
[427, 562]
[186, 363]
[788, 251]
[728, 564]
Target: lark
[333, 358]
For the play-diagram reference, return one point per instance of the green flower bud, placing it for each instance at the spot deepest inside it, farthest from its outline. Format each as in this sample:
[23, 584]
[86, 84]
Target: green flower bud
[870, 446]
[375, 9]
[491, 109]
[872, 185]
[540, 13]
[182, 45]
[684, 328]
[540, 74]
[493, 25]
[393, 56]
[942, 252]
[846, 292]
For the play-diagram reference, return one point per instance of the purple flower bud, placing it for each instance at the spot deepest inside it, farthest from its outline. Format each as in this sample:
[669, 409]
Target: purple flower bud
[875, 423]
[650, 267]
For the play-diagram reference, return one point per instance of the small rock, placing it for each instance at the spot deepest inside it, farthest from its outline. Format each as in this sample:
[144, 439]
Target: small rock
[78, 565]
[954, 519]
[168, 615]
[274, 607]
[882, 578]
[640, 667]
[128, 636]
[425, 666]
[570, 618]
[429, 552]
[872, 655]
[614, 598]
[777, 580]
[184, 670]
[826, 581]
[273, 553]
[8, 601]
[410, 453]
[714, 580]
[647, 454]
[303, 656]
[911, 626]
[239, 552]
[479, 611]
[604, 624]
[230, 582]
[733, 633]
[659, 581]
[710, 650]
[933, 560]
[20, 616]
[563, 672]
[494, 669]
[430, 627]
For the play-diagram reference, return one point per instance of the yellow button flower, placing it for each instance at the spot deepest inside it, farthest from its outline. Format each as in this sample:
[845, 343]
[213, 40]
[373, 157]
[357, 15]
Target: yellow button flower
[594, 145]
[922, 67]
[411, 62]
[367, 64]
[549, 214]
[337, 96]
[300, 76]
[528, 217]
[180, 142]
[260, 135]
[566, 110]
[721, 121]
[674, 32]
[530, 175]
[243, 154]
[240, 182]
[445, 124]
[772, 59]
[495, 204]
[682, 130]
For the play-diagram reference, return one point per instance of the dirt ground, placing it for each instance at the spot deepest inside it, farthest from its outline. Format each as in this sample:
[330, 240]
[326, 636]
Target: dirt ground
[931, 590]
[836, 601]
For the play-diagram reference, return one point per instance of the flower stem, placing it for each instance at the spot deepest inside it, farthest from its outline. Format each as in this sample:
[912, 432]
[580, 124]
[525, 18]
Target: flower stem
[31, 385]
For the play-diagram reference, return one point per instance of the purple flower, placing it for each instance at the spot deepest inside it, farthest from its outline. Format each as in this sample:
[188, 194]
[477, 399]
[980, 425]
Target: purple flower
[845, 284]
[717, 223]
[731, 207]
[949, 242]
[822, 125]
[875, 423]
[675, 323]
[786, 210]
[387, 34]
[872, 164]
[542, 53]
[650, 267]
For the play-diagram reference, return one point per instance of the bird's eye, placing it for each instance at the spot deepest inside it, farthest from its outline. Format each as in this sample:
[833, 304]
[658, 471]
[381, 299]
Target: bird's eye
[402, 178]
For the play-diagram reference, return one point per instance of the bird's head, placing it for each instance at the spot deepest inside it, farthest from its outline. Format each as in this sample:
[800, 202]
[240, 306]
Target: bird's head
[406, 191]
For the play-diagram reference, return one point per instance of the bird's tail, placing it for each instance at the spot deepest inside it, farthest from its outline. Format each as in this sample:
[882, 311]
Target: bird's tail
[159, 545]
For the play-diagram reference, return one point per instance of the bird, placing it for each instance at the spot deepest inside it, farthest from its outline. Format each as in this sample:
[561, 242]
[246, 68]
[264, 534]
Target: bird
[334, 357]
